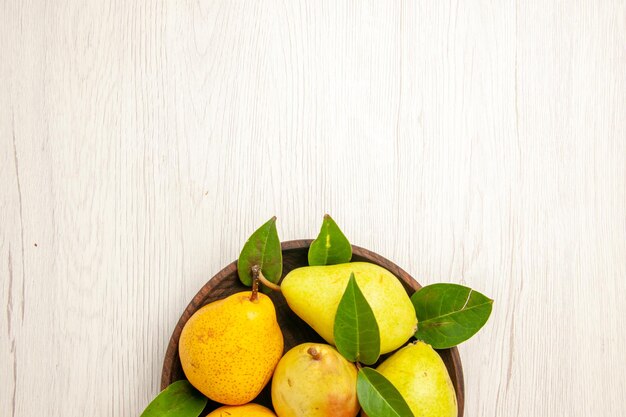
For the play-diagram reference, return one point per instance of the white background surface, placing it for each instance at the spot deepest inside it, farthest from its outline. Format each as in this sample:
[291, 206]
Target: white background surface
[477, 142]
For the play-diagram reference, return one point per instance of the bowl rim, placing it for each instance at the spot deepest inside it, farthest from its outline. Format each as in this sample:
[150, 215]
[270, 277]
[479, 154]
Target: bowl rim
[197, 301]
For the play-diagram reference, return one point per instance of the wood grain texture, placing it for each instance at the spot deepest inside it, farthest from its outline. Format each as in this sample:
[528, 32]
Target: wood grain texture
[477, 142]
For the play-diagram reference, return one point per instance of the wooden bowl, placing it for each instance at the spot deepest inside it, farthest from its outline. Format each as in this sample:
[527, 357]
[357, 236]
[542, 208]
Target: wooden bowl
[295, 331]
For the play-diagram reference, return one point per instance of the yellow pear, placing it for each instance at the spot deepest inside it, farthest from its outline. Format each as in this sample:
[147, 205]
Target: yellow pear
[420, 375]
[314, 292]
[248, 410]
[314, 380]
[229, 348]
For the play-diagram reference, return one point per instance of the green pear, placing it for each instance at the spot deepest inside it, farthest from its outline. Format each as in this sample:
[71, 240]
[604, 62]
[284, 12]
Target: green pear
[420, 375]
[314, 380]
[314, 292]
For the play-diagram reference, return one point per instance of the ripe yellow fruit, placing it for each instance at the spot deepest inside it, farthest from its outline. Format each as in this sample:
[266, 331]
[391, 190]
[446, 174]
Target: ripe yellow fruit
[314, 380]
[248, 410]
[422, 379]
[229, 348]
[314, 292]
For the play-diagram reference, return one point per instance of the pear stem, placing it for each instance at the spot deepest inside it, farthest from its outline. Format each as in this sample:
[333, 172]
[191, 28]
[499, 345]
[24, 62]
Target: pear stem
[269, 284]
[315, 354]
[255, 283]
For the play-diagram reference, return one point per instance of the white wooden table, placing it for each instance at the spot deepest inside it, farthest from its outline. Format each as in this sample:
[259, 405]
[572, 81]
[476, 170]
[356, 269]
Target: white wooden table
[477, 142]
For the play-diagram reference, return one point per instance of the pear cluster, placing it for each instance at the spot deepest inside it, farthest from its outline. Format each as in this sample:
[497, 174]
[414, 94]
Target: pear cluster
[232, 348]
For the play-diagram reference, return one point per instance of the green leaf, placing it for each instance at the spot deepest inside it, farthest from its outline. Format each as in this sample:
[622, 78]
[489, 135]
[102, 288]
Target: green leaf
[449, 314]
[262, 249]
[355, 329]
[331, 246]
[378, 397]
[180, 399]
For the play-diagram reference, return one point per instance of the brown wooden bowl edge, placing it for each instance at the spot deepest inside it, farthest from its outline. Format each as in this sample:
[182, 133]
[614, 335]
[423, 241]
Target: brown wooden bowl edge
[171, 353]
